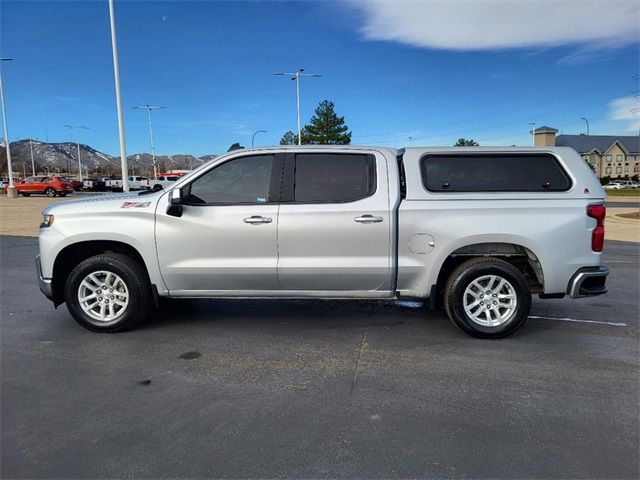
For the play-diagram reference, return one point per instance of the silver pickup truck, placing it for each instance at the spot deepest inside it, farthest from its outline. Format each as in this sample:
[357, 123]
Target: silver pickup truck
[476, 230]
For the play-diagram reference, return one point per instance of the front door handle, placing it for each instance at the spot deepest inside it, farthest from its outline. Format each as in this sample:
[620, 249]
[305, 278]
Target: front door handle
[257, 219]
[368, 219]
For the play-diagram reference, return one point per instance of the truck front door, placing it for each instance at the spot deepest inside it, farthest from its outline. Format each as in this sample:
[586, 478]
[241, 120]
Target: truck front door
[334, 228]
[226, 238]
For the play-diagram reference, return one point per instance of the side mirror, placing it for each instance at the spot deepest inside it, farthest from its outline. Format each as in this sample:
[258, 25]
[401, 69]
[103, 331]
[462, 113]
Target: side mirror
[175, 197]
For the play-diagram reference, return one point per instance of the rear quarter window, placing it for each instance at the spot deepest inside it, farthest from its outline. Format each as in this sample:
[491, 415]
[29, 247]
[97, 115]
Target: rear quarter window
[526, 172]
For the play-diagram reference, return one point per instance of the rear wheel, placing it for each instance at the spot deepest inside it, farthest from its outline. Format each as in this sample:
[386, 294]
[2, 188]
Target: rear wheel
[50, 192]
[487, 298]
[25, 194]
[108, 293]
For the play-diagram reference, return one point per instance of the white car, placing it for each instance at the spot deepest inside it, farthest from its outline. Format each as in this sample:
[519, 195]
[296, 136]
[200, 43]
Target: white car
[621, 184]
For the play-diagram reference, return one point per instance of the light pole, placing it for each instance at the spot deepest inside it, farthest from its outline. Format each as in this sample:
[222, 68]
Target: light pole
[116, 75]
[533, 133]
[254, 136]
[296, 76]
[33, 165]
[587, 122]
[77, 129]
[11, 189]
[148, 108]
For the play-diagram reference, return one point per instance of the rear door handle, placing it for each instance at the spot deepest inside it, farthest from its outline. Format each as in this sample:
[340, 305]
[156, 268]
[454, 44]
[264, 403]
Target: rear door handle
[368, 219]
[257, 219]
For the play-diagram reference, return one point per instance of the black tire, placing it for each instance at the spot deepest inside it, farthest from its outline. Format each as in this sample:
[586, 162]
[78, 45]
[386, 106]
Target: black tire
[134, 276]
[478, 269]
[25, 194]
[50, 192]
[157, 187]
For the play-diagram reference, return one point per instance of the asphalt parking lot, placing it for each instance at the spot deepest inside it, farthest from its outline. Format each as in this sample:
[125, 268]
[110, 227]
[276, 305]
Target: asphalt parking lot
[273, 389]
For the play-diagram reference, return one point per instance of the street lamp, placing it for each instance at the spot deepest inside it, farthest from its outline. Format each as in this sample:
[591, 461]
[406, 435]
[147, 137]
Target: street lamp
[11, 189]
[533, 133]
[587, 122]
[116, 75]
[148, 108]
[254, 136]
[296, 76]
[77, 129]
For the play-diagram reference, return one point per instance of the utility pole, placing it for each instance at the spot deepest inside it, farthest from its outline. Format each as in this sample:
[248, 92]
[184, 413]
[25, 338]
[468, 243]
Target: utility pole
[587, 122]
[148, 108]
[116, 75]
[296, 76]
[77, 129]
[254, 136]
[11, 189]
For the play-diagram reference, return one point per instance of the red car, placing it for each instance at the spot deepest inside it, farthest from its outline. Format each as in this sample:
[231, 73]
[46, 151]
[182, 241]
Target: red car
[75, 184]
[50, 186]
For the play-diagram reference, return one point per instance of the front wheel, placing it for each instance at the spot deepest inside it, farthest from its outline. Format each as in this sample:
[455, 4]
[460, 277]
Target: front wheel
[50, 192]
[108, 293]
[487, 298]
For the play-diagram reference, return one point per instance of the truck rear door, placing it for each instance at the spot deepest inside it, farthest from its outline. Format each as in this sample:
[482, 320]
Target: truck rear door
[334, 223]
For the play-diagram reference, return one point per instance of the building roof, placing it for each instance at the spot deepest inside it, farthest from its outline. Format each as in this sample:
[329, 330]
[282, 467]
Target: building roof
[545, 129]
[601, 143]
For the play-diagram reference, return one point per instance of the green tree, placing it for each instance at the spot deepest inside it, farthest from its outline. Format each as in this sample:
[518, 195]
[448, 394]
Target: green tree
[463, 142]
[326, 128]
[289, 138]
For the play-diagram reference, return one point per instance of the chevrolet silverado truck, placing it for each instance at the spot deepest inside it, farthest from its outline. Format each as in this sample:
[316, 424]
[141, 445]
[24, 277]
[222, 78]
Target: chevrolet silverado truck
[476, 230]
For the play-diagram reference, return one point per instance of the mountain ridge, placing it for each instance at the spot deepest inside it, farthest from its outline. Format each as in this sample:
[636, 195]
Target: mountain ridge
[62, 157]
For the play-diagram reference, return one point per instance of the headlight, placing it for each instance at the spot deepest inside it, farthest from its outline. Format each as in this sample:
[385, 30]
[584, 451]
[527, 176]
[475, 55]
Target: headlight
[47, 220]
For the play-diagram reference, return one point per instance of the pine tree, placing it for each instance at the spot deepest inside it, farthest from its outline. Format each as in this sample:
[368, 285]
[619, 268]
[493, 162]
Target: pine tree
[289, 138]
[463, 142]
[326, 127]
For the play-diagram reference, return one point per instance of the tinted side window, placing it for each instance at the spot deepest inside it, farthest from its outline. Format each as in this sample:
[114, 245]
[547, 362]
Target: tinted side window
[326, 177]
[512, 172]
[244, 180]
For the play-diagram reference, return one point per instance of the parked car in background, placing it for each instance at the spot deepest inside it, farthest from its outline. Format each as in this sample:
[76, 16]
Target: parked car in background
[135, 183]
[75, 184]
[163, 181]
[621, 184]
[49, 186]
[89, 184]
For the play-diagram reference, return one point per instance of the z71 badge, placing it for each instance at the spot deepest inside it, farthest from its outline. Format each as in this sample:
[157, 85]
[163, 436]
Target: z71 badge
[135, 204]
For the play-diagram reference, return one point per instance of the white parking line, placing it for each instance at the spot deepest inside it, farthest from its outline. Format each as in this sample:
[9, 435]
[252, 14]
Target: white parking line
[613, 324]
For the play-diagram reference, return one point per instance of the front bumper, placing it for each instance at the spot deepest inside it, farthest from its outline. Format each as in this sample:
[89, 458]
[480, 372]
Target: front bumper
[43, 283]
[588, 282]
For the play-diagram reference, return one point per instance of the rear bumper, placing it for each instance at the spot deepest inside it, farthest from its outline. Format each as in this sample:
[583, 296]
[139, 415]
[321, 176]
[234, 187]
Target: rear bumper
[588, 282]
[43, 283]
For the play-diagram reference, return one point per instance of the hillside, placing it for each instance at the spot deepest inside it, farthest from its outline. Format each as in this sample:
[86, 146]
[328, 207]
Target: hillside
[62, 158]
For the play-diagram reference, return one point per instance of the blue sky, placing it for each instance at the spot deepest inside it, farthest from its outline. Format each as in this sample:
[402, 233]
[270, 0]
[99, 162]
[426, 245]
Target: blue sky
[432, 71]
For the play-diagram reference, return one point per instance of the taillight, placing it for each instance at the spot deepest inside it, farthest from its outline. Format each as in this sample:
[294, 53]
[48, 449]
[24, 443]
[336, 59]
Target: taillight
[597, 236]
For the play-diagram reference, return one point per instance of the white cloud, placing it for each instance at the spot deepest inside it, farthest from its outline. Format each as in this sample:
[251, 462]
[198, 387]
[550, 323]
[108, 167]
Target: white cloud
[626, 109]
[499, 24]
